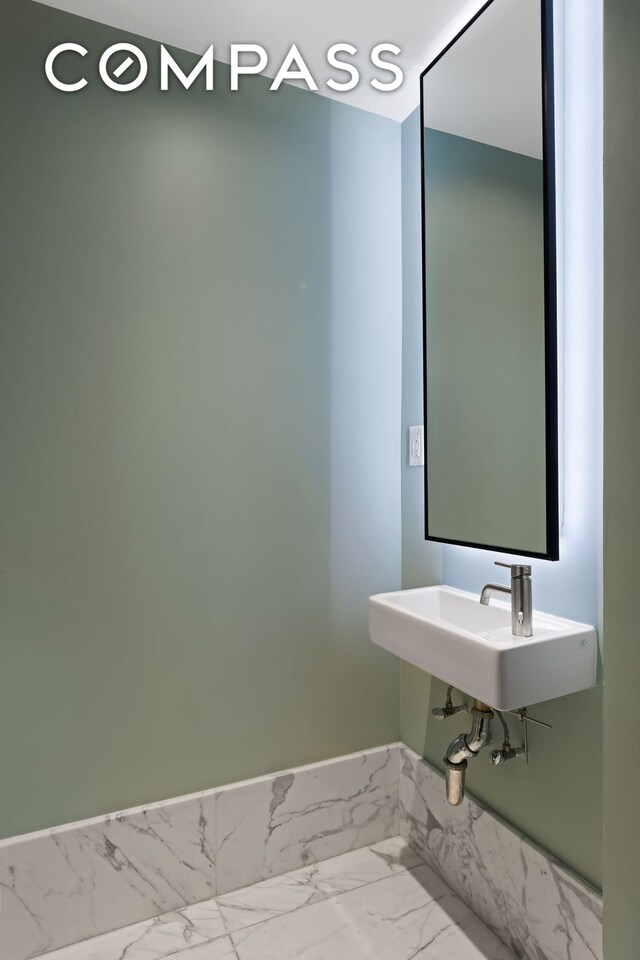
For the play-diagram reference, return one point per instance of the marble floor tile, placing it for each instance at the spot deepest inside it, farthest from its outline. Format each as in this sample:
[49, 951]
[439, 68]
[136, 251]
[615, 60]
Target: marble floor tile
[411, 915]
[315, 883]
[205, 918]
[221, 949]
[154, 939]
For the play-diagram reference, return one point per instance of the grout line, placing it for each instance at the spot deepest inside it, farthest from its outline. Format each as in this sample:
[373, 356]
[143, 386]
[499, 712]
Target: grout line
[335, 895]
[234, 948]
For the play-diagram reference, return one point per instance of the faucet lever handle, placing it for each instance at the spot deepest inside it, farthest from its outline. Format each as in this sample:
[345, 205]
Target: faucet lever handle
[517, 569]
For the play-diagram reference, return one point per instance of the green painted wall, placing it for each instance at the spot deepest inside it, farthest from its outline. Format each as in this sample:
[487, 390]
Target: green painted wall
[557, 799]
[187, 545]
[622, 469]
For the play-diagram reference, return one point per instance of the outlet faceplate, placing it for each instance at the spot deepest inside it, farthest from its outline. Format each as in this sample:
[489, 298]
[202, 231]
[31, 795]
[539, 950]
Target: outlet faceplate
[416, 446]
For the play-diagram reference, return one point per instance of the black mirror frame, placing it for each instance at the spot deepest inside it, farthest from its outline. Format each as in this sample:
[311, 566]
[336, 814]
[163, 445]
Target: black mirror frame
[550, 293]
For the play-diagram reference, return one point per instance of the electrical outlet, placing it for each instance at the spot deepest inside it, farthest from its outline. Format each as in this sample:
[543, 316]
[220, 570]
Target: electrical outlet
[416, 446]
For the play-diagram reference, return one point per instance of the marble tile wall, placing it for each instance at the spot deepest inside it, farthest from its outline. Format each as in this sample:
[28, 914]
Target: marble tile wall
[272, 825]
[68, 884]
[534, 904]
[71, 883]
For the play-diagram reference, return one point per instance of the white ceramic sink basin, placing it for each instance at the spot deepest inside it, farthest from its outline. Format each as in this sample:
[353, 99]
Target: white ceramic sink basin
[449, 634]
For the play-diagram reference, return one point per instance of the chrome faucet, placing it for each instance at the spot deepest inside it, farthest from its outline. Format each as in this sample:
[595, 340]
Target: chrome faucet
[520, 592]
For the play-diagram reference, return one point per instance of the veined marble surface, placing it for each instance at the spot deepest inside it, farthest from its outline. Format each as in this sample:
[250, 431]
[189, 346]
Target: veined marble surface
[271, 825]
[164, 936]
[378, 903]
[66, 884]
[71, 883]
[315, 883]
[532, 903]
[274, 836]
[411, 915]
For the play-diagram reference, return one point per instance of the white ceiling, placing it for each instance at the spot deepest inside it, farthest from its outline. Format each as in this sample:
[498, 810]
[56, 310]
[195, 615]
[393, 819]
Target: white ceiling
[420, 27]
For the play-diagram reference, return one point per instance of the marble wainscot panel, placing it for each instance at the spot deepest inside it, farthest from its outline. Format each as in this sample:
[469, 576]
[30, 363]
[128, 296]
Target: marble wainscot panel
[270, 826]
[537, 907]
[70, 883]
[66, 884]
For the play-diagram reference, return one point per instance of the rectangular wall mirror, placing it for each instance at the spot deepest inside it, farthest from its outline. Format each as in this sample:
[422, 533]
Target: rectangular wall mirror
[489, 284]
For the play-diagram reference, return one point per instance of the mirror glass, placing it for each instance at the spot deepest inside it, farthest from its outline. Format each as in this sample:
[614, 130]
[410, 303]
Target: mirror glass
[490, 284]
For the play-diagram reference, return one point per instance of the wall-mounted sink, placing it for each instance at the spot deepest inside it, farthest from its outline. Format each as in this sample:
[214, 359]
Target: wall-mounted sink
[447, 633]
